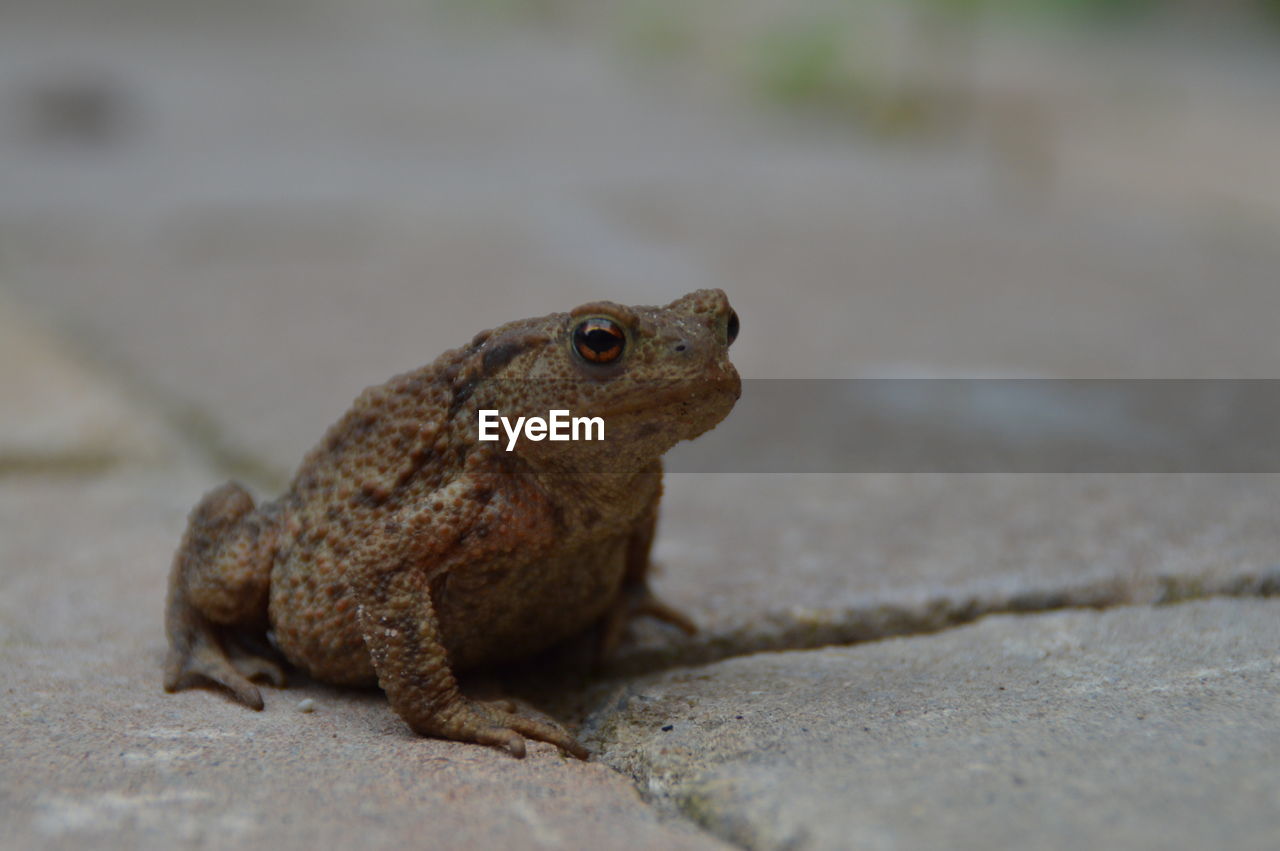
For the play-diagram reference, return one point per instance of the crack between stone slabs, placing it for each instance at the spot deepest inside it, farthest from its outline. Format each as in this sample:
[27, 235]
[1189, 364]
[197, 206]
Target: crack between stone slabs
[201, 431]
[783, 631]
[864, 626]
[193, 427]
[89, 462]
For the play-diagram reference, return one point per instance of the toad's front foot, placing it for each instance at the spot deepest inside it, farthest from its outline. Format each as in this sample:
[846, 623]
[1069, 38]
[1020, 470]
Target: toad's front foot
[500, 724]
[636, 601]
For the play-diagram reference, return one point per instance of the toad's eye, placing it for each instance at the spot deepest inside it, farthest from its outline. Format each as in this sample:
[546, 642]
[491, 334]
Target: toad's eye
[599, 340]
[731, 329]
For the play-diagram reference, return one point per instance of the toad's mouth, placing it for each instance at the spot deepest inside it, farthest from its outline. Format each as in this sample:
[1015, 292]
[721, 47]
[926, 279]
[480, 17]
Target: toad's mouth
[700, 393]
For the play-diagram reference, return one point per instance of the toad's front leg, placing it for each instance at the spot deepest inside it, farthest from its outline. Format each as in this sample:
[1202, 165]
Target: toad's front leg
[635, 598]
[400, 630]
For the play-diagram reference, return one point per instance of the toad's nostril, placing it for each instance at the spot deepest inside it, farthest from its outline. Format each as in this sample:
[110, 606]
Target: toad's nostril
[680, 347]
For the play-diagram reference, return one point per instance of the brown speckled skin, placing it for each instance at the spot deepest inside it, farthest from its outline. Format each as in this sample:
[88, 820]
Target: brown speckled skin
[406, 549]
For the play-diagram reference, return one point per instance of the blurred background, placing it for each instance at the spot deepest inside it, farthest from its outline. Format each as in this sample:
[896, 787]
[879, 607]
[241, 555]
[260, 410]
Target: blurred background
[250, 210]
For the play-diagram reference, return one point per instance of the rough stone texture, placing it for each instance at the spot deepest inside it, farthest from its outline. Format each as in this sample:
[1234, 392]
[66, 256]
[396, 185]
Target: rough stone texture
[1136, 727]
[96, 753]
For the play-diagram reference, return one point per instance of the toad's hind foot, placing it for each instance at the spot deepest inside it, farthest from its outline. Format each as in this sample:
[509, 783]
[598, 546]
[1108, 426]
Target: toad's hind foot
[218, 598]
[197, 656]
[256, 667]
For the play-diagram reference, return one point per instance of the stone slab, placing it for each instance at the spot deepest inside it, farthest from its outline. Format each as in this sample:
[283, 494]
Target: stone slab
[784, 561]
[1130, 728]
[95, 753]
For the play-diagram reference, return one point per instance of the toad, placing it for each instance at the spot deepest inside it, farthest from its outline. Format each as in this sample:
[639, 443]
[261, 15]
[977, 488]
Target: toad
[407, 549]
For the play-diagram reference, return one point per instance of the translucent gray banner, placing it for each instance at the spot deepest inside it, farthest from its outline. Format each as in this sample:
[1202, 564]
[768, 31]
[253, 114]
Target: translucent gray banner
[993, 426]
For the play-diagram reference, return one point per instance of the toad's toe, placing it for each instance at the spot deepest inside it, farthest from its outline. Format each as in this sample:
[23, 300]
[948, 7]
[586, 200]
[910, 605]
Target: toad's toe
[209, 665]
[499, 723]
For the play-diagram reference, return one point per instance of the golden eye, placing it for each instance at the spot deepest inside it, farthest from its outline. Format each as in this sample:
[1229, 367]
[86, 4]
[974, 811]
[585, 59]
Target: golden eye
[599, 340]
[732, 327]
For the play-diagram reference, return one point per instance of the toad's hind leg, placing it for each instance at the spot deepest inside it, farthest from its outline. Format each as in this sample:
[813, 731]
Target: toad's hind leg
[217, 605]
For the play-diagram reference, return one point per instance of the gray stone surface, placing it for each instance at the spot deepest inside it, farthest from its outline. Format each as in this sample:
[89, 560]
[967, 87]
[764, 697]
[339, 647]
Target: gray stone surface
[96, 754]
[773, 561]
[1132, 728]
